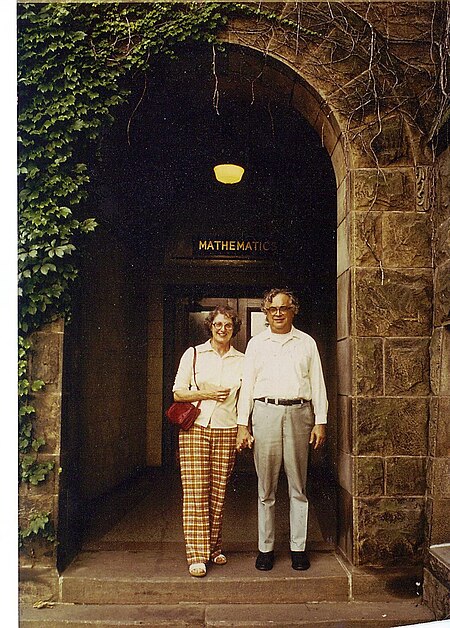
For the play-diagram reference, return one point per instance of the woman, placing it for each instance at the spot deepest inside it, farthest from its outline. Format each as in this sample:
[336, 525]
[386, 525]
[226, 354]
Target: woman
[207, 450]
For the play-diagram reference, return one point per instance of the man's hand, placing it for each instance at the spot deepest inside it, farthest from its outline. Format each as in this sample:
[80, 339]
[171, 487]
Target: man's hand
[318, 436]
[243, 438]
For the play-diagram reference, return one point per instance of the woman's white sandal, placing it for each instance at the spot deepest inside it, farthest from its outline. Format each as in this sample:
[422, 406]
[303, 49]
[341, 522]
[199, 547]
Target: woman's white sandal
[221, 559]
[197, 570]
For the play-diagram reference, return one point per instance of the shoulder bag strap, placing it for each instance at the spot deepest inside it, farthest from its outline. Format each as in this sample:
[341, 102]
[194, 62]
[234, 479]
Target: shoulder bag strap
[194, 361]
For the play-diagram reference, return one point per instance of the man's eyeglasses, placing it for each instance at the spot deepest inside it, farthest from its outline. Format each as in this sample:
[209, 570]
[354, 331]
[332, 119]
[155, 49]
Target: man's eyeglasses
[282, 310]
[219, 326]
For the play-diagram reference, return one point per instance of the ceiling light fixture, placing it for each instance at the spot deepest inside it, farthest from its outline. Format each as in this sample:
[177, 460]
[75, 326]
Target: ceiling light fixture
[228, 173]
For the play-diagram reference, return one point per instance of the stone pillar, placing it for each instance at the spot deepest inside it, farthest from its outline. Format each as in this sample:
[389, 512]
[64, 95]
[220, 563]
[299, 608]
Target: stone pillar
[439, 468]
[38, 572]
[437, 571]
[384, 242]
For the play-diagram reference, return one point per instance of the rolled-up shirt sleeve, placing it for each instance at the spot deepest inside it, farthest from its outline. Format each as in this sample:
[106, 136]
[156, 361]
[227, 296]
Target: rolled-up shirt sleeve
[318, 390]
[184, 376]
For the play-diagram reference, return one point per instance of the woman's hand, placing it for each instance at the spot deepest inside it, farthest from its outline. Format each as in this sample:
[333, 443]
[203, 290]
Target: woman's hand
[207, 391]
[215, 393]
[243, 438]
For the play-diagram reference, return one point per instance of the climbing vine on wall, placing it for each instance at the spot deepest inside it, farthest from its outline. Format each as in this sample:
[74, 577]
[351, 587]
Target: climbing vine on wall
[72, 61]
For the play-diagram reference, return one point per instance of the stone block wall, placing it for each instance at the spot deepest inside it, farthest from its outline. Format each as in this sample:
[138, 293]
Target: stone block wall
[439, 437]
[112, 346]
[38, 574]
[437, 570]
[385, 309]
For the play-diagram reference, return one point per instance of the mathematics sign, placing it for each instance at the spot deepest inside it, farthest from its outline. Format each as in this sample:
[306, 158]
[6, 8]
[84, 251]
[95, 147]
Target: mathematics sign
[247, 248]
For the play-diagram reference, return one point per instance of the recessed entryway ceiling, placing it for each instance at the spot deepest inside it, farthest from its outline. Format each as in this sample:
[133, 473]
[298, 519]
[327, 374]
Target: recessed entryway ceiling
[185, 116]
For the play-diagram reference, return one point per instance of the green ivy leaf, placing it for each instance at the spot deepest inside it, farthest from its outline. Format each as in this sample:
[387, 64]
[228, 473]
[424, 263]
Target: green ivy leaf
[38, 384]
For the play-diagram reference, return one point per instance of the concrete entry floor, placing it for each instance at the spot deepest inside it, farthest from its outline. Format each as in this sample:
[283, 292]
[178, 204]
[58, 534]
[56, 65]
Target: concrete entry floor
[147, 513]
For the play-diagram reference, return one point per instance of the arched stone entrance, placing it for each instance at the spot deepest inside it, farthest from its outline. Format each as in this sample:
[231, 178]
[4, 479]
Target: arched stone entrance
[141, 275]
[384, 285]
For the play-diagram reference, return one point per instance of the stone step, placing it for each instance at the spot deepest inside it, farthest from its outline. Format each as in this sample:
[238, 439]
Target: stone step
[160, 576]
[323, 615]
[152, 577]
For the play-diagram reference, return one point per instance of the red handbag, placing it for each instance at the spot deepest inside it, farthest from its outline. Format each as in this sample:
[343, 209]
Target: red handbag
[183, 413]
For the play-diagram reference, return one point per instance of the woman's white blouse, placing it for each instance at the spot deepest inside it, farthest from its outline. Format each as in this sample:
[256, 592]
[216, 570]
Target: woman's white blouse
[213, 370]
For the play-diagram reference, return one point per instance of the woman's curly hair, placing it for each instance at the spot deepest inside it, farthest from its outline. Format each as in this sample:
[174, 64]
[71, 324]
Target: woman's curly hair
[227, 311]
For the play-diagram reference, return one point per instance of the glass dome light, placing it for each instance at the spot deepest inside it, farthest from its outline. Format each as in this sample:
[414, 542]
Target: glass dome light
[228, 173]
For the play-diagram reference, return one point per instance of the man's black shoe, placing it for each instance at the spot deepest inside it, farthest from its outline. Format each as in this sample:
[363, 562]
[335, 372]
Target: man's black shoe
[300, 561]
[264, 561]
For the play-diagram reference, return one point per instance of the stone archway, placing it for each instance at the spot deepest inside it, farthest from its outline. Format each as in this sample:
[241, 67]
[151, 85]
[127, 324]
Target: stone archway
[383, 171]
[384, 280]
[384, 304]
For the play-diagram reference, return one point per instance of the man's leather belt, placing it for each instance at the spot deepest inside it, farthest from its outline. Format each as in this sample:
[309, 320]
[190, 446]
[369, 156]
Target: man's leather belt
[283, 402]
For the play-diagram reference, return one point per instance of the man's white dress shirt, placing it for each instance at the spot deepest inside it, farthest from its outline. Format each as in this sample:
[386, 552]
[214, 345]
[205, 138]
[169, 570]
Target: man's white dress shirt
[212, 369]
[282, 366]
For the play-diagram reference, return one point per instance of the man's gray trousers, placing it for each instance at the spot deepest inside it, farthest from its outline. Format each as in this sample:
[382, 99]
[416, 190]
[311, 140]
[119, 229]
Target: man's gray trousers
[282, 435]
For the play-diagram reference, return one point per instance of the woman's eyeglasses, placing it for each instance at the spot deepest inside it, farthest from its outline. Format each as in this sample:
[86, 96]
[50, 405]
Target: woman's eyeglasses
[282, 310]
[219, 326]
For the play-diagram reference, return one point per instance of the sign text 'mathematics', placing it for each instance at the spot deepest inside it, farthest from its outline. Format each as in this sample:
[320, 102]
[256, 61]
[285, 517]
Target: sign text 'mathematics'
[244, 247]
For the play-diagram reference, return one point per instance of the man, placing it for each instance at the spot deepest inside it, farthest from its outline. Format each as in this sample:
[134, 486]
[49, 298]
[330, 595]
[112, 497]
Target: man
[283, 390]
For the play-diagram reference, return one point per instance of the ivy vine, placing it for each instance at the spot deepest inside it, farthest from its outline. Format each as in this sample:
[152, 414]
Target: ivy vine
[72, 64]
[39, 525]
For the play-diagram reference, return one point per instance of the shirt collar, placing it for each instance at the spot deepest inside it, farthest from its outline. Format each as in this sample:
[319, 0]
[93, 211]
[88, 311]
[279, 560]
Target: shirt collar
[206, 346]
[294, 333]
